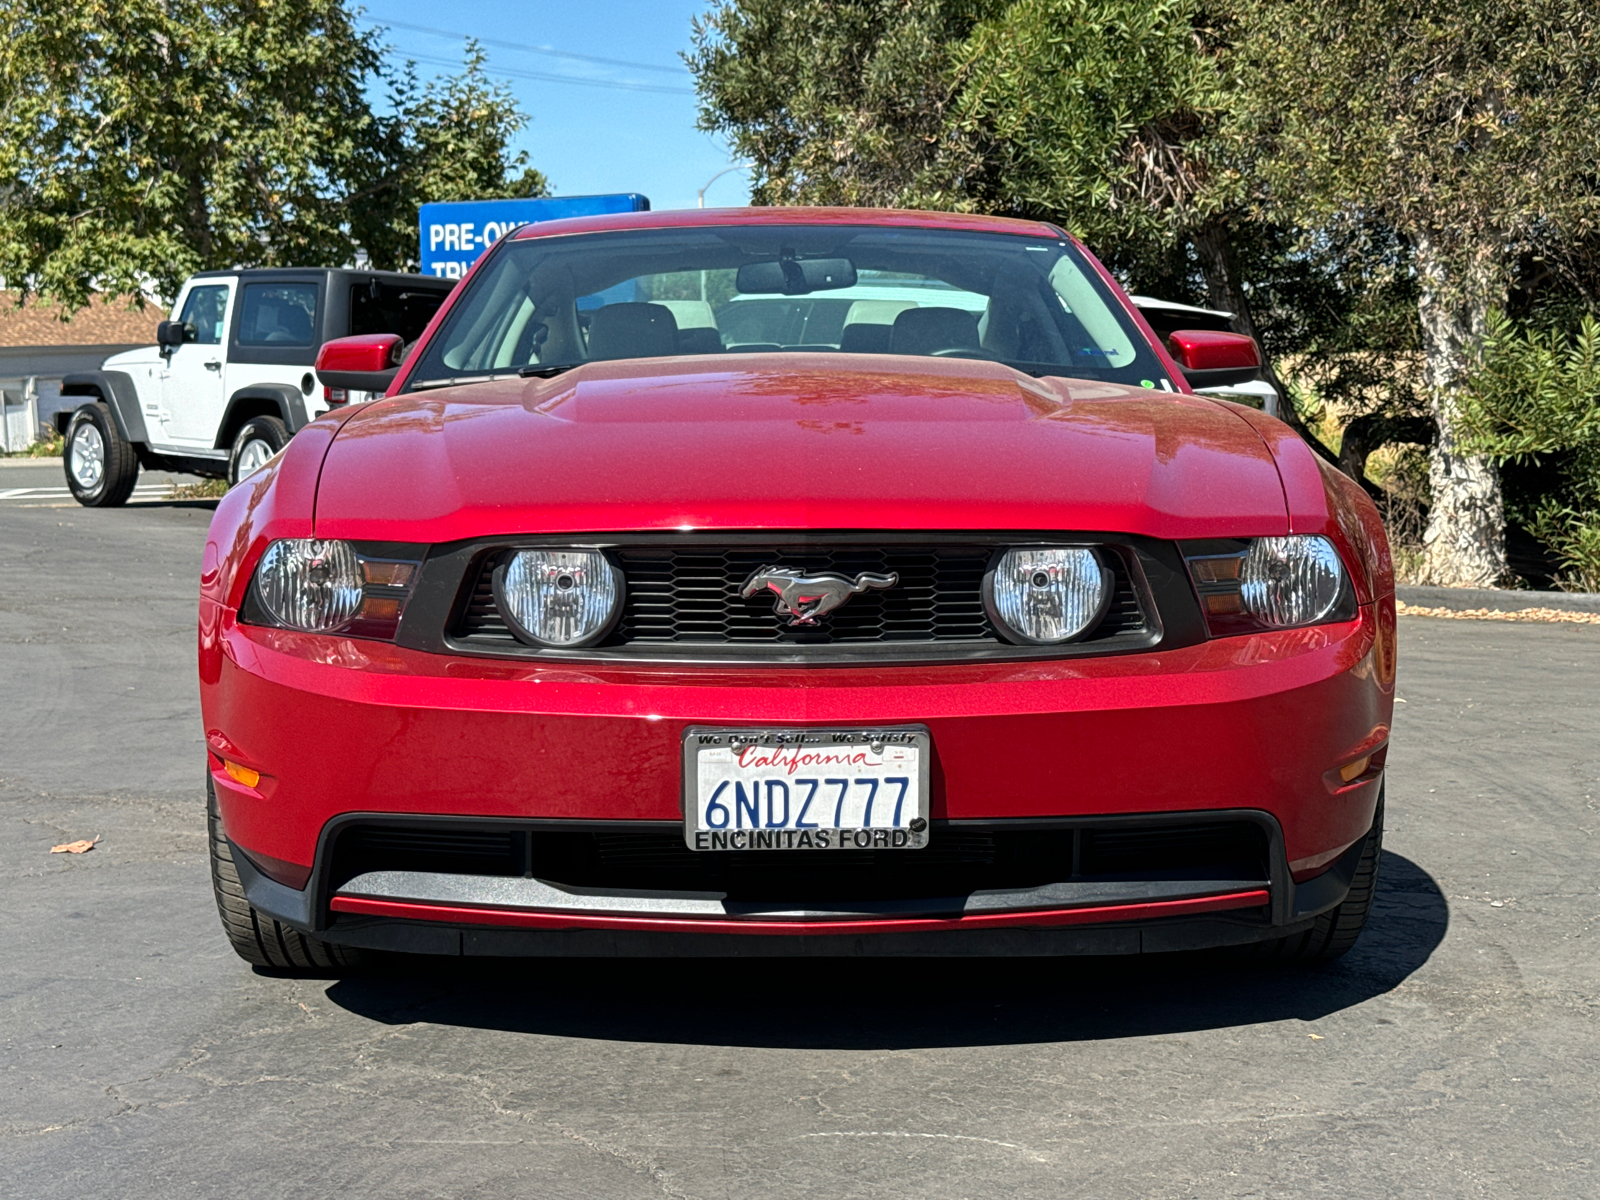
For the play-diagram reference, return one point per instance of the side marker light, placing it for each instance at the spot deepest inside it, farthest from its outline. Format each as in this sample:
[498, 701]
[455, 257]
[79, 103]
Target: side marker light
[1350, 770]
[243, 775]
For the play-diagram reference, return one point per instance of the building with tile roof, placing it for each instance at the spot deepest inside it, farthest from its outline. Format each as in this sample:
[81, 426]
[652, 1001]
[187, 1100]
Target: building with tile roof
[37, 344]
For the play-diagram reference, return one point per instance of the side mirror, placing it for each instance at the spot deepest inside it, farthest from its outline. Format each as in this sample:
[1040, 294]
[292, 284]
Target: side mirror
[364, 363]
[172, 334]
[1213, 359]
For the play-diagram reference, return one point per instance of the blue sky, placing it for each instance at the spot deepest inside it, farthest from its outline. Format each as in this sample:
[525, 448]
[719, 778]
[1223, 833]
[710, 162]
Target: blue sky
[594, 127]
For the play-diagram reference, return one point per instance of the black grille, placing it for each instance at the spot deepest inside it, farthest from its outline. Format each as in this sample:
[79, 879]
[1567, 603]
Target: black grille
[687, 597]
[445, 851]
[957, 861]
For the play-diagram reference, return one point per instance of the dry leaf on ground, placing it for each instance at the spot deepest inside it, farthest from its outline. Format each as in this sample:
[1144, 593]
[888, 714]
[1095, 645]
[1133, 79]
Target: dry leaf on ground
[81, 846]
[1551, 615]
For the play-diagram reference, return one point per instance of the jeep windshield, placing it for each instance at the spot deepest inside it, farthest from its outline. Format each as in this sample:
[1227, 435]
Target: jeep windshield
[542, 305]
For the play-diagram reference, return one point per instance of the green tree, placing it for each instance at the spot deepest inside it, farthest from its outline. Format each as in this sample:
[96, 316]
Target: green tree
[141, 140]
[1472, 128]
[1534, 400]
[446, 140]
[1106, 116]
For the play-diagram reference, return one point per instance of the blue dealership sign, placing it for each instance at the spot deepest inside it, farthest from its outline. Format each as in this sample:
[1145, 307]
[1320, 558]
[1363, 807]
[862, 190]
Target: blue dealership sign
[455, 234]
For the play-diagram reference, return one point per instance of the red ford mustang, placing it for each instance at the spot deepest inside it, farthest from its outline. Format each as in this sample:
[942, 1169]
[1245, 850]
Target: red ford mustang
[787, 581]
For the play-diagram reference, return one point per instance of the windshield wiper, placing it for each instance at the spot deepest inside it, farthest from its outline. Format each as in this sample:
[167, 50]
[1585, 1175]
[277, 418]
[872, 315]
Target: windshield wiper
[546, 370]
[423, 385]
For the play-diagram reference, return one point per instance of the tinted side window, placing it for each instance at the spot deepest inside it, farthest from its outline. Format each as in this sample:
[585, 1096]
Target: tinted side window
[401, 310]
[204, 309]
[278, 314]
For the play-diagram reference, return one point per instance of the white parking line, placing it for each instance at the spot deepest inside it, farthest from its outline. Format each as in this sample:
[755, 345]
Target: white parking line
[149, 492]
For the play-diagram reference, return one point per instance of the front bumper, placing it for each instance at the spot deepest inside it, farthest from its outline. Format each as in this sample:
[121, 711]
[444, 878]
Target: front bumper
[486, 916]
[340, 726]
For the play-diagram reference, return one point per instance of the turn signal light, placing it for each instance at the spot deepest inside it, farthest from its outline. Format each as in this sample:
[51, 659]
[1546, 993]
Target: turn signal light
[241, 774]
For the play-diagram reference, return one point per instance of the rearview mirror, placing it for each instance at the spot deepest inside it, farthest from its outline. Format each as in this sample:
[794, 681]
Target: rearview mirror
[795, 276]
[1210, 358]
[366, 362]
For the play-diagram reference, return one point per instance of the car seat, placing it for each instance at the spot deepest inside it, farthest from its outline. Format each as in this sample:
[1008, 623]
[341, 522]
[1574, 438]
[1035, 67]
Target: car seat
[928, 330]
[632, 330]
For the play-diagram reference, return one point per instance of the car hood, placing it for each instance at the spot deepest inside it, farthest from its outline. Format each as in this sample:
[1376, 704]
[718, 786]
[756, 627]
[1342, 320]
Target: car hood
[789, 442]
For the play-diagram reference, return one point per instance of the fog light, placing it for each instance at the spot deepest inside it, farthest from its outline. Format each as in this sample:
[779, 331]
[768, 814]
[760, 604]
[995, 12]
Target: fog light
[1046, 595]
[559, 598]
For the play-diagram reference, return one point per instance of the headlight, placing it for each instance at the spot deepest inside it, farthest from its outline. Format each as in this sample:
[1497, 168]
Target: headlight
[1045, 596]
[309, 584]
[322, 586]
[1272, 583]
[560, 598]
[1291, 580]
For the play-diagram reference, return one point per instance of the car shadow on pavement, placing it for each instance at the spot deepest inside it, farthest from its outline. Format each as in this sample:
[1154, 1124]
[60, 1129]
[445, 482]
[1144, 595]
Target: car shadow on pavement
[883, 1003]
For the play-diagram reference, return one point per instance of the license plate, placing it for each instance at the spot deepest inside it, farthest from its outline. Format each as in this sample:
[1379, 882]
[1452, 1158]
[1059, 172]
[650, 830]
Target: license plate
[806, 789]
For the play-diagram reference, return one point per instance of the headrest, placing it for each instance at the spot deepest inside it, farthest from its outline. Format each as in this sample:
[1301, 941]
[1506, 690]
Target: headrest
[865, 339]
[926, 330]
[632, 331]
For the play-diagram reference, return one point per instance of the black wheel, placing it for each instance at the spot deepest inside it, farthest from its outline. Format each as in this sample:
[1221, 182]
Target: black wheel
[100, 463]
[1335, 931]
[258, 938]
[258, 440]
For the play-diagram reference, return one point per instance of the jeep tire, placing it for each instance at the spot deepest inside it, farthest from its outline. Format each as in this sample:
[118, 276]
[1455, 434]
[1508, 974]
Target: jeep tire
[258, 440]
[256, 937]
[100, 463]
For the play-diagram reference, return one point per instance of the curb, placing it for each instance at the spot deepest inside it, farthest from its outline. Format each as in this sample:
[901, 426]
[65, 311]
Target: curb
[1503, 599]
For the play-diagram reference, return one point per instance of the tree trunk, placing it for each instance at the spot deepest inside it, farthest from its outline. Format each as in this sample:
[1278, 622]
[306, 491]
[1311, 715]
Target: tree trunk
[1223, 290]
[1465, 541]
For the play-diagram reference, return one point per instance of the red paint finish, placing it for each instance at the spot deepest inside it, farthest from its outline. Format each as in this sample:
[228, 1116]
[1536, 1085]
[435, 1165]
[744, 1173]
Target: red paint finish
[1209, 350]
[694, 443]
[1038, 919]
[344, 725]
[360, 352]
[685, 218]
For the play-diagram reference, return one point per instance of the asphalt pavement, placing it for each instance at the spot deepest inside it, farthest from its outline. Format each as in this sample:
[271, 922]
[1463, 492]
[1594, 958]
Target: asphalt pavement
[1453, 1053]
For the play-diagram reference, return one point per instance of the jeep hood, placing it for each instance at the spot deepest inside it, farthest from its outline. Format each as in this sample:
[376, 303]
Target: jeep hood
[786, 441]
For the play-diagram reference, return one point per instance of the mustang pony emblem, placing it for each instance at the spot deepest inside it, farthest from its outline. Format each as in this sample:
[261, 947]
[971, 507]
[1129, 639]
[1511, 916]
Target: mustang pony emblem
[803, 598]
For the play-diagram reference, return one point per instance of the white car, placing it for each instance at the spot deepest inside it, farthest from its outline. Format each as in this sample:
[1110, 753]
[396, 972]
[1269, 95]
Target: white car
[230, 379]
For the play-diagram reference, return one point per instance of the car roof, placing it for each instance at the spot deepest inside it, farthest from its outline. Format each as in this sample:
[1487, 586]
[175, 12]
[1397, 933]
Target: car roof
[688, 218]
[257, 274]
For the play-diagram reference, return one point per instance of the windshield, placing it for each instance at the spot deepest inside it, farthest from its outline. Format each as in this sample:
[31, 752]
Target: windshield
[1032, 303]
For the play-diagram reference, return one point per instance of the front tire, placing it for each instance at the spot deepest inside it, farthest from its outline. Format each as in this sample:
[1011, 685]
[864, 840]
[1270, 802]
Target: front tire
[256, 937]
[100, 463]
[258, 441]
[1334, 932]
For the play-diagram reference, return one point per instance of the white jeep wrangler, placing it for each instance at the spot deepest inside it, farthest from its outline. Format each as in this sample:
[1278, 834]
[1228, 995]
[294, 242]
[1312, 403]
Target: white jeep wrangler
[231, 378]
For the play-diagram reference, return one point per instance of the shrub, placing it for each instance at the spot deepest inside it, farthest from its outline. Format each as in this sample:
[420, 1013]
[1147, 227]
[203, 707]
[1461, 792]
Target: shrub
[1534, 401]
